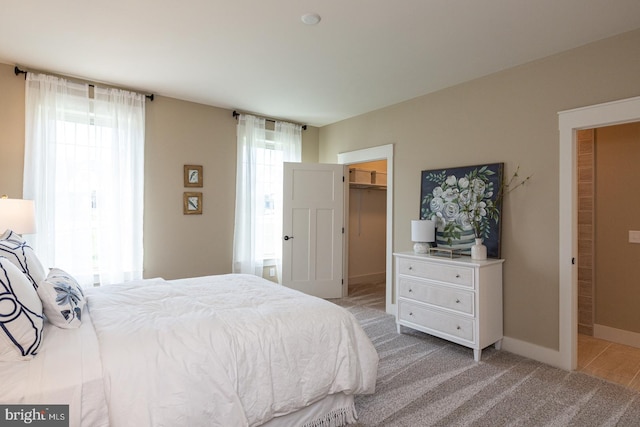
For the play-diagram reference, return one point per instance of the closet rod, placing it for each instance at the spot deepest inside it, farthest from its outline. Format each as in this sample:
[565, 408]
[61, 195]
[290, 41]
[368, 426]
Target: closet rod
[18, 71]
[236, 114]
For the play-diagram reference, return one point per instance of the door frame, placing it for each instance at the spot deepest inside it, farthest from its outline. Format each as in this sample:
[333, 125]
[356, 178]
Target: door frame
[382, 152]
[570, 121]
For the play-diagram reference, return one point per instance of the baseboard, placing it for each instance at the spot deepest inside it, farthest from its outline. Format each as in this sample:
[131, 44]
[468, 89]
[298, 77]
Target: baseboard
[533, 351]
[368, 278]
[619, 336]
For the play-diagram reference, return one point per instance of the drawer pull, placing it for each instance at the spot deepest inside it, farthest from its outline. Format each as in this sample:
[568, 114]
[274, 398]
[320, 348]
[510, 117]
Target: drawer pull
[410, 267]
[410, 313]
[457, 301]
[458, 328]
[410, 290]
[457, 276]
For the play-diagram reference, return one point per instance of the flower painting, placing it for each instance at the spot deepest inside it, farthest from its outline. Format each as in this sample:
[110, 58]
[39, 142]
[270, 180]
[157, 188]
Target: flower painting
[465, 202]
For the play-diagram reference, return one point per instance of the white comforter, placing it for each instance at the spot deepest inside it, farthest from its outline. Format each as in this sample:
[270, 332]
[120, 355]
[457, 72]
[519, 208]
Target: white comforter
[230, 350]
[66, 371]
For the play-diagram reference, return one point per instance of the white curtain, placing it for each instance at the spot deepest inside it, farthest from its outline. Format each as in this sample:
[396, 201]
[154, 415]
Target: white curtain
[288, 139]
[259, 182]
[84, 167]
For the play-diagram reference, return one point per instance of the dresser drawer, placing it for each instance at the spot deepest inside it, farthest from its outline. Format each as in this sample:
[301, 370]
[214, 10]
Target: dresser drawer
[437, 321]
[450, 298]
[458, 275]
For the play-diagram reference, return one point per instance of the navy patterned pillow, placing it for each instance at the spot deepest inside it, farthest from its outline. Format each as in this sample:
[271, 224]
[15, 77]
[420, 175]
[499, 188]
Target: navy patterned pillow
[18, 252]
[21, 316]
[62, 299]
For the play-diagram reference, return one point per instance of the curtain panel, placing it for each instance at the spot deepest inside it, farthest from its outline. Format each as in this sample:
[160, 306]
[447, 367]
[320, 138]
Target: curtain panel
[84, 168]
[260, 160]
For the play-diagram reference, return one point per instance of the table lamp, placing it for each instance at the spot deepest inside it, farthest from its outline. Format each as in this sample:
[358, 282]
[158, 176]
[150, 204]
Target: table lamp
[17, 215]
[423, 234]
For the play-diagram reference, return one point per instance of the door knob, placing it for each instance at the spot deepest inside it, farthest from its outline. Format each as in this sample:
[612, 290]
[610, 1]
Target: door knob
[288, 237]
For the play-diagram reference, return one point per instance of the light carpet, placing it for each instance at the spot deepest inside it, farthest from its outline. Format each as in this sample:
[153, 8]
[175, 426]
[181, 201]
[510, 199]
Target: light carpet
[426, 381]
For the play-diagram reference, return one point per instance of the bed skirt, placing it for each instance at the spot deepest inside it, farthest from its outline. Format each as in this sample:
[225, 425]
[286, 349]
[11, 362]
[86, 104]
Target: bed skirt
[335, 410]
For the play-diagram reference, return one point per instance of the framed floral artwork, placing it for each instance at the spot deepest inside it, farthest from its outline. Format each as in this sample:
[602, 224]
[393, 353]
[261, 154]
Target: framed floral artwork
[192, 203]
[193, 176]
[466, 203]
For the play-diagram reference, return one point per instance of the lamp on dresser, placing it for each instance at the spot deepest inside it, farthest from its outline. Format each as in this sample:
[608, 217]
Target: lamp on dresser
[17, 215]
[423, 234]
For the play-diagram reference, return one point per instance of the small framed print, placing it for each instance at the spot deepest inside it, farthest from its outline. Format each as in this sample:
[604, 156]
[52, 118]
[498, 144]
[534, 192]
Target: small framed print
[192, 176]
[192, 203]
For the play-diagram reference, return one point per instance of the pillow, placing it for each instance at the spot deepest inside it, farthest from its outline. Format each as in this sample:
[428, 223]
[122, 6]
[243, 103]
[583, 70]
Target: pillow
[21, 317]
[18, 252]
[62, 299]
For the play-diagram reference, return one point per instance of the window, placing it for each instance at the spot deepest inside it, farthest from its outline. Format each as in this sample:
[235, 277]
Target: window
[259, 182]
[84, 163]
[269, 162]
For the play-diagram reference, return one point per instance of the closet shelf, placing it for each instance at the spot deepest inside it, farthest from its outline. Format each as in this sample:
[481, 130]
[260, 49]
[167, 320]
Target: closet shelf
[364, 185]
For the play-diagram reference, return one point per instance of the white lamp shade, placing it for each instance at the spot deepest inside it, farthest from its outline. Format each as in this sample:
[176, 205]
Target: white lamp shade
[17, 215]
[423, 231]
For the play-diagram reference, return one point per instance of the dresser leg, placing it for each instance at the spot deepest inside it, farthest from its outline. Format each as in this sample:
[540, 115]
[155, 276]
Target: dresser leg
[398, 326]
[498, 345]
[476, 355]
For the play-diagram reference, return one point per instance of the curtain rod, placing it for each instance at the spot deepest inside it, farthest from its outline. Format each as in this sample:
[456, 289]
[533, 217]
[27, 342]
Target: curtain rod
[18, 71]
[236, 114]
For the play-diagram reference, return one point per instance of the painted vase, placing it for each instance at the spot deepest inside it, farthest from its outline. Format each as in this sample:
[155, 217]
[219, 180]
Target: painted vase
[478, 251]
[463, 243]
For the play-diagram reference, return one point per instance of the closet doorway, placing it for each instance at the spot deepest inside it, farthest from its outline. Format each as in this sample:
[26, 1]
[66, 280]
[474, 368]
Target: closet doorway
[366, 243]
[382, 152]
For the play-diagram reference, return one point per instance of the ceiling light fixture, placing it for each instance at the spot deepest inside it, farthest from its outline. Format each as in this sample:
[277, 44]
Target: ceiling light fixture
[310, 18]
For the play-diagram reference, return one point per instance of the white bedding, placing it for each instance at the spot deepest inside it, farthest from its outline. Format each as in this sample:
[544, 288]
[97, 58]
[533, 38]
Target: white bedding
[66, 371]
[230, 350]
[220, 350]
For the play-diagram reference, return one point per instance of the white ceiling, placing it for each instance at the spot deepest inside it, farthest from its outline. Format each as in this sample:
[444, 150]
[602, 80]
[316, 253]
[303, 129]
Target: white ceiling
[257, 56]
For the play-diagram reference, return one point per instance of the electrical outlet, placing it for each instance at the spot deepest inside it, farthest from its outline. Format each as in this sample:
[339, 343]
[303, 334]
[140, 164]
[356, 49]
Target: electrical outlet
[634, 236]
[272, 272]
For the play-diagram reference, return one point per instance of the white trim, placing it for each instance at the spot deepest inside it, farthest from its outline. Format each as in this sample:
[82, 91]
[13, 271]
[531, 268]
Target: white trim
[611, 113]
[532, 351]
[382, 152]
[619, 336]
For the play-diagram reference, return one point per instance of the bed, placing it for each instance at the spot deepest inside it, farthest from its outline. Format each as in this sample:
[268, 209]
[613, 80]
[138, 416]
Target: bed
[227, 350]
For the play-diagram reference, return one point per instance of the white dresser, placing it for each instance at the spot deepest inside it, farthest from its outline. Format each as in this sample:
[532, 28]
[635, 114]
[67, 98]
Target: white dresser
[457, 299]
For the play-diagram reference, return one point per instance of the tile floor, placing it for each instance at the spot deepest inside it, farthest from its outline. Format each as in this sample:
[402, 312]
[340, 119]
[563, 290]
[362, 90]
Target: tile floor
[608, 360]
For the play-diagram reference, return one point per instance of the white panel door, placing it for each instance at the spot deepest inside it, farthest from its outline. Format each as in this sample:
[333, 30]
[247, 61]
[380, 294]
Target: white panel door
[313, 215]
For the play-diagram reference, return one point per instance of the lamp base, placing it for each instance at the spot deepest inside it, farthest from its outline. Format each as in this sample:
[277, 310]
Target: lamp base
[421, 247]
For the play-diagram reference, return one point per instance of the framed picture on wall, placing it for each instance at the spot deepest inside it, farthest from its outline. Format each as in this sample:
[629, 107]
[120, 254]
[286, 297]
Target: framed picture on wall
[192, 203]
[465, 202]
[193, 176]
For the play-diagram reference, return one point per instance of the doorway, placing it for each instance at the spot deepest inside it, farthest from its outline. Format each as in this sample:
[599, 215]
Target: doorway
[366, 227]
[617, 112]
[609, 344]
[383, 152]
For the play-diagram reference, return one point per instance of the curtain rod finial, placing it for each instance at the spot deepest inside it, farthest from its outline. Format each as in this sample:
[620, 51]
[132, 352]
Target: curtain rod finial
[17, 71]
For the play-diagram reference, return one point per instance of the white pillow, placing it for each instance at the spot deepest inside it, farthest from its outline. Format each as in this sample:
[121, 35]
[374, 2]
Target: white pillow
[20, 314]
[62, 299]
[18, 252]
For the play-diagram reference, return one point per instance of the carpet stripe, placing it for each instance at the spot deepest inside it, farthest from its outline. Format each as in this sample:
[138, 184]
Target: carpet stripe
[426, 381]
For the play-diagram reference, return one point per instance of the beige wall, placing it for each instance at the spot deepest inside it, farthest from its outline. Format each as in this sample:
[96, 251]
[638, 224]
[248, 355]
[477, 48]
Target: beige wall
[11, 132]
[177, 133]
[508, 117]
[367, 235]
[617, 210]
